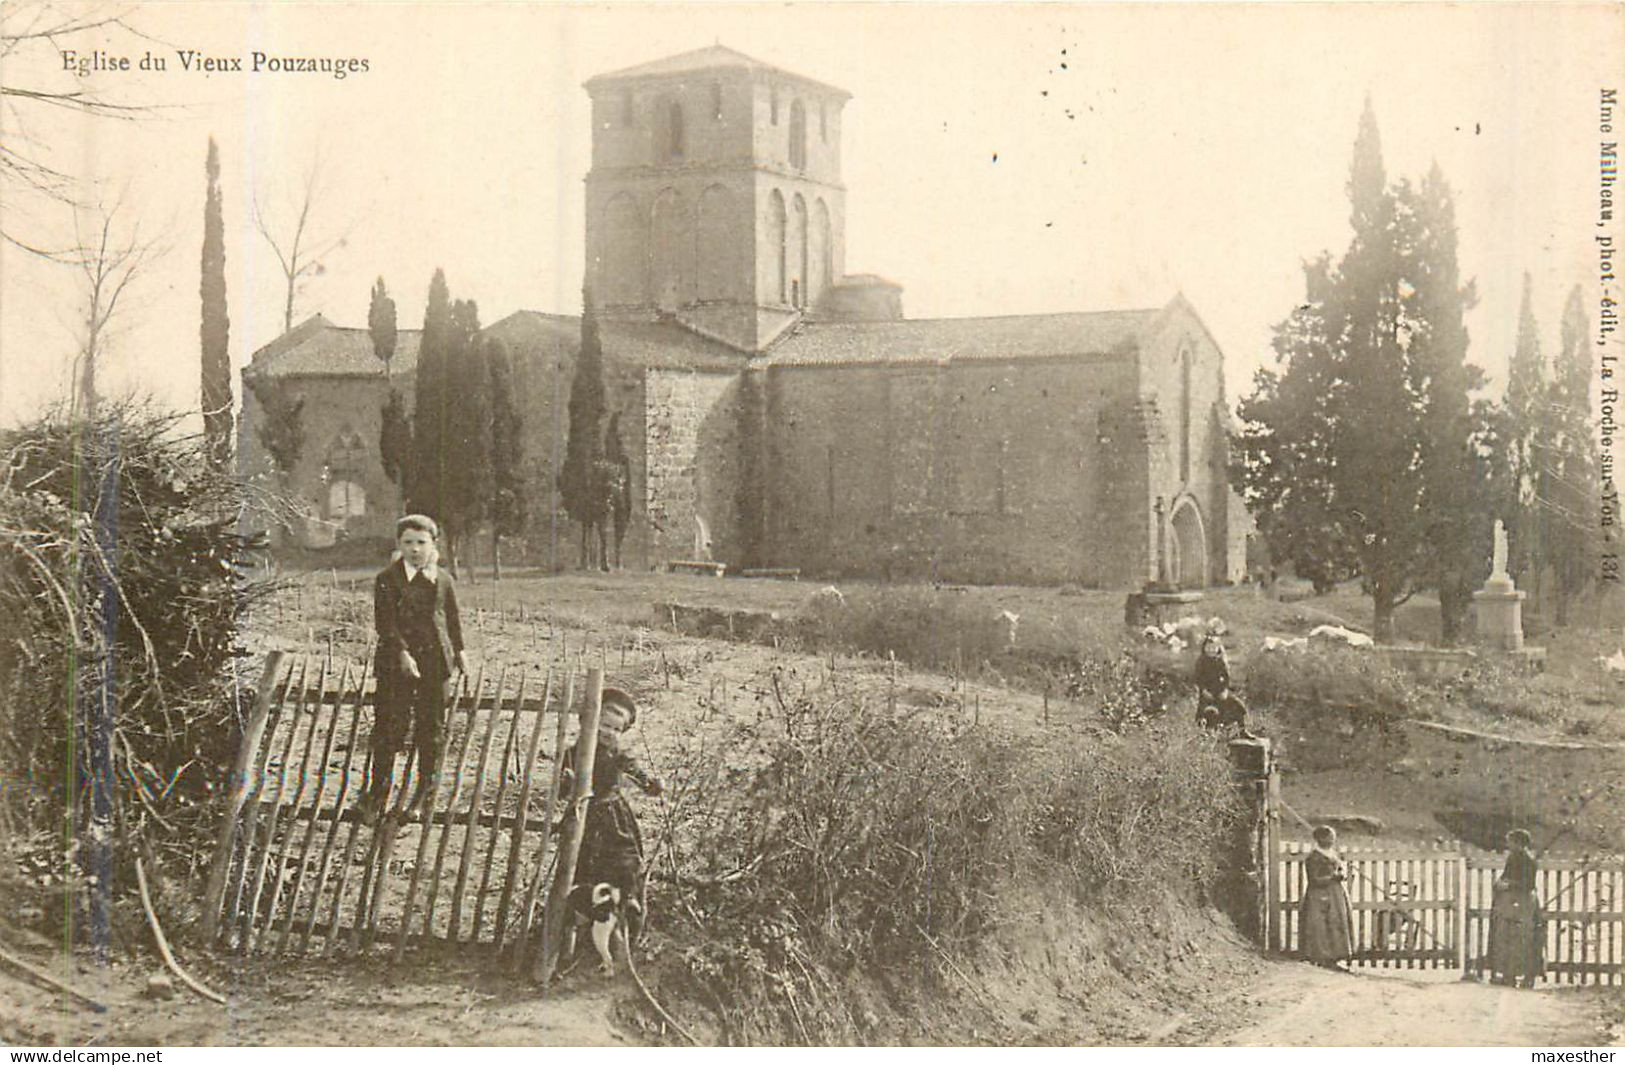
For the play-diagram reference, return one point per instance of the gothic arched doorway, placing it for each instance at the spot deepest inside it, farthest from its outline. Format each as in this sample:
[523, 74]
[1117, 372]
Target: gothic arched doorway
[1188, 557]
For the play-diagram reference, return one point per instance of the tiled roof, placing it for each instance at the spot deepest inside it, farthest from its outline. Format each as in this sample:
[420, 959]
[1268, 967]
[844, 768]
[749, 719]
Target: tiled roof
[318, 348]
[714, 57]
[659, 345]
[944, 339]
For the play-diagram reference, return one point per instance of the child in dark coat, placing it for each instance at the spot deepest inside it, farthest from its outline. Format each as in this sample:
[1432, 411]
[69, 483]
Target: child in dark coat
[1216, 704]
[420, 647]
[608, 886]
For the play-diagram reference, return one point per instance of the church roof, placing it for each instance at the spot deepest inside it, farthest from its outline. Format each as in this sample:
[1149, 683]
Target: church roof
[318, 348]
[654, 344]
[936, 340]
[714, 57]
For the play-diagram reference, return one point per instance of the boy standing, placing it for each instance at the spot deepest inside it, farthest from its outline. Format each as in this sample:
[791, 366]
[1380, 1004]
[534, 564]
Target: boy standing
[420, 645]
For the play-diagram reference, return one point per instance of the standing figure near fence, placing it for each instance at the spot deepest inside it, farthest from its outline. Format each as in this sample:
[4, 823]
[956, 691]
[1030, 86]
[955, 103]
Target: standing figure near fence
[1326, 921]
[1517, 938]
[1217, 705]
[420, 647]
[608, 888]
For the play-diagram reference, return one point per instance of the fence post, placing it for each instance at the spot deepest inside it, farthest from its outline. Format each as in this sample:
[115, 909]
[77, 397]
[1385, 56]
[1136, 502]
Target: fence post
[555, 915]
[1461, 911]
[238, 794]
[1272, 868]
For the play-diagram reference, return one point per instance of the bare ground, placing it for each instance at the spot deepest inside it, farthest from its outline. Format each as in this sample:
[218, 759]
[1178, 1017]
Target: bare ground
[1294, 1004]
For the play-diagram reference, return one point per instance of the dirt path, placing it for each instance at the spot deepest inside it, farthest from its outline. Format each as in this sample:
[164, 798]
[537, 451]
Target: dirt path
[1298, 1005]
[432, 1004]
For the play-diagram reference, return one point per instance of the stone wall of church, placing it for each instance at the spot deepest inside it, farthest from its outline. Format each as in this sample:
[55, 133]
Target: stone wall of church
[341, 421]
[1203, 478]
[691, 445]
[990, 472]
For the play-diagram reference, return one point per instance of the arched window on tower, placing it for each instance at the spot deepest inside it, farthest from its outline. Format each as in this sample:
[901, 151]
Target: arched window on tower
[716, 101]
[778, 237]
[798, 135]
[672, 130]
[823, 123]
[1185, 414]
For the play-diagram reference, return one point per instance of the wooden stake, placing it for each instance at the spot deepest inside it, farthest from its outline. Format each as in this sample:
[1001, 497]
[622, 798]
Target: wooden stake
[496, 820]
[163, 944]
[522, 813]
[586, 755]
[376, 867]
[48, 981]
[251, 915]
[237, 794]
[338, 809]
[345, 861]
[255, 942]
[550, 807]
[451, 804]
[428, 821]
[473, 820]
[316, 804]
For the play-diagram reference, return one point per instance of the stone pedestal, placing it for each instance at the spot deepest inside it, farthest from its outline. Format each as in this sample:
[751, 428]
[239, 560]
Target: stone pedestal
[1500, 614]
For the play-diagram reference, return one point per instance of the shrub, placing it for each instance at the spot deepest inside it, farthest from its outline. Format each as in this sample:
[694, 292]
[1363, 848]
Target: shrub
[123, 580]
[832, 836]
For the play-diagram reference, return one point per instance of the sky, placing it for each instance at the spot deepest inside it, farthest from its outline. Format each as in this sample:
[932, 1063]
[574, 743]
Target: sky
[998, 159]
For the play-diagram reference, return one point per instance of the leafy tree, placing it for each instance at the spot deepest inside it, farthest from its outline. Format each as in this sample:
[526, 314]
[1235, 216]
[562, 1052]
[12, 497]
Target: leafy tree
[1526, 439]
[582, 496]
[395, 440]
[381, 325]
[1571, 481]
[1349, 447]
[1451, 467]
[450, 462]
[431, 412]
[216, 323]
[281, 429]
[1285, 466]
[507, 507]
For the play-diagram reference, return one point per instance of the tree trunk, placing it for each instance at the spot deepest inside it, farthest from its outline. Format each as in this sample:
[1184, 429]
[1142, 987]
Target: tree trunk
[1382, 611]
[496, 556]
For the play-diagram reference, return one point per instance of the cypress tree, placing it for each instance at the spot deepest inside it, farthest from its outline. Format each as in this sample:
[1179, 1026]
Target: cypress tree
[216, 323]
[577, 480]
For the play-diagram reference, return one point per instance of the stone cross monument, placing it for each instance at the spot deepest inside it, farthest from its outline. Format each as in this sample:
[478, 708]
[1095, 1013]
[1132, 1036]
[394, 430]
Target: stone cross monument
[1499, 603]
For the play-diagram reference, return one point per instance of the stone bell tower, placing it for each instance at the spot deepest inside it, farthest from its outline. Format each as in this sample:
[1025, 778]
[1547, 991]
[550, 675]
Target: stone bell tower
[715, 195]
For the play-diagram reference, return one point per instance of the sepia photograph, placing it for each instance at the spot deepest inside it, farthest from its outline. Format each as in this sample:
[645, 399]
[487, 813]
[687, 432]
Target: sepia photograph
[815, 524]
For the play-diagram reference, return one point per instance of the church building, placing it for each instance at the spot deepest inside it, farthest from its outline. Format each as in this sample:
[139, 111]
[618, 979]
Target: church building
[788, 407]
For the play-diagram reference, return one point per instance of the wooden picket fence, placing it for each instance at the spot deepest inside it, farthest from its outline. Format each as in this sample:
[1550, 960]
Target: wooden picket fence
[295, 872]
[1583, 907]
[1422, 907]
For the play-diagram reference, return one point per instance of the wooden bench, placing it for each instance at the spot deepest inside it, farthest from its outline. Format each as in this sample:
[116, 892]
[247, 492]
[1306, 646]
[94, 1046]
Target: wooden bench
[704, 569]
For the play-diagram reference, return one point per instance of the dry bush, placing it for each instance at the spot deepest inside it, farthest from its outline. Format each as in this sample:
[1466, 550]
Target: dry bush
[1337, 677]
[121, 583]
[834, 837]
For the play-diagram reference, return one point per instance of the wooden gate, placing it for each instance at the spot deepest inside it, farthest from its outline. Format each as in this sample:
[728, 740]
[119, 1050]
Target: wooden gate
[296, 872]
[1582, 902]
[1406, 905]
[1429, 908]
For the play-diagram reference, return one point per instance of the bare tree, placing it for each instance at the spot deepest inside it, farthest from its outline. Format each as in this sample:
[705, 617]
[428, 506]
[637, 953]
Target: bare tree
[107, 256]
[34, 34]
[300, 244]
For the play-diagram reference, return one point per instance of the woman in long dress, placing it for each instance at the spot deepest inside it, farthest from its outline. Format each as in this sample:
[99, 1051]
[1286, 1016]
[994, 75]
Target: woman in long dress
[1325, 920]
[1516, 936]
